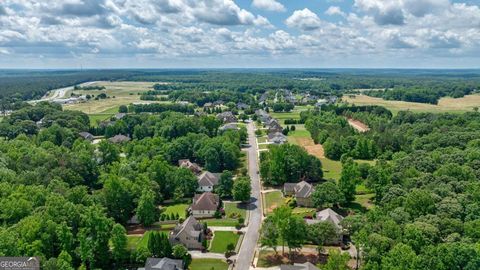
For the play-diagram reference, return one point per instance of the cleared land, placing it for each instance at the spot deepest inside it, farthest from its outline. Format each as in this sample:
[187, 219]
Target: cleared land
[208, 264]
[124, 92]
[359, 126]
[273, 199]
[447, 104]
[222, 239]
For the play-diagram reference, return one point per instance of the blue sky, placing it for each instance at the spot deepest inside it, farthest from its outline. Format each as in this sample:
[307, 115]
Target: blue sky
[239, 33]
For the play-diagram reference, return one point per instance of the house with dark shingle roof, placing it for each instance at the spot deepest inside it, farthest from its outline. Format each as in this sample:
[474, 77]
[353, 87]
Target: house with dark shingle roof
[86, 135]
[273, 126]
[328, 215]
[299, 266]
[189, 233]
[205, 205]
[119, 139]
[207, 181]
[162, 264]
[229, 126]
[277, 138]
[193, 167]
[302, 192]
[227, 117]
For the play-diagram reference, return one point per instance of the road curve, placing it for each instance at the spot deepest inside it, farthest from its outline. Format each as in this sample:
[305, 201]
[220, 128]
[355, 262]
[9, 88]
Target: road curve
[249, 244]
[59, 93]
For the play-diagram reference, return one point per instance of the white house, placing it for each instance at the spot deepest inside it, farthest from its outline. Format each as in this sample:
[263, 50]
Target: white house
[207, 181]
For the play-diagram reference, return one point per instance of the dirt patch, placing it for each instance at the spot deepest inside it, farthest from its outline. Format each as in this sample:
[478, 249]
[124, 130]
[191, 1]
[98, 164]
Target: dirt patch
[311, 147]
[361, 127]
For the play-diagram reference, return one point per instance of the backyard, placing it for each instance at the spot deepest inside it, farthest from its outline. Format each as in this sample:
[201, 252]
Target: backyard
[222, 239]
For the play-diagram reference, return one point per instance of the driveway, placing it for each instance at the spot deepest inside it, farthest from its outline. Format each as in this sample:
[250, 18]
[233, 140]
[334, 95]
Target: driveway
[249, 244]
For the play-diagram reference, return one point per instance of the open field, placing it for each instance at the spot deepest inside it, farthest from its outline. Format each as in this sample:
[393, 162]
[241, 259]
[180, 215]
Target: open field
[222, 239]
[447, 104]
[208, 264]
[273, 199]
[124, 92]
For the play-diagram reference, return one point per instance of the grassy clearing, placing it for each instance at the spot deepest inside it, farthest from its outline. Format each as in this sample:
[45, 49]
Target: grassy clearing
[300, 133]
[332, 169]
[262, 139]
[362, 203]
[124, 92]
[96, 118]
[447, 104]
[221, 240]
[208, 264]
[234, 210]
[175, 209]
[304, 211]
[273, 200]
[137, 241]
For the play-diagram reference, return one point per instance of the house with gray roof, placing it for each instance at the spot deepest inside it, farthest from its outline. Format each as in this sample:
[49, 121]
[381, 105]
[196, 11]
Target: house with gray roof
[119, 139]
[277, 138]
[86, 135]
[205, 205]
[302, 192]
[162, 264]
[328, 215]
[242, 106]
[207, 181]
[229, 126]
[189, 233]
[192, 166]
[273, 126]
[227, 117]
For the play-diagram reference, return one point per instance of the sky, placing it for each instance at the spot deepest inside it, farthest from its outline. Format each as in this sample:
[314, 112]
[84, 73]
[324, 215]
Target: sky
[239, 34]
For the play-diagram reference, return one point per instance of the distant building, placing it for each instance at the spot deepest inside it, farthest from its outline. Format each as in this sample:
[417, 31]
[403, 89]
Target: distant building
[229, 126]
[277, 138]
[218, 103]
[189, 233]
[208, 105]
[193, 167]
[162, 264]
[86, 136]
[207, 181]
[119, 116]
[302, 192]
[299, 266]
[263, 116]
[242, 106]
[273, 126]
[328, 215]
[227, 117]
[205, 205]
[119, 139]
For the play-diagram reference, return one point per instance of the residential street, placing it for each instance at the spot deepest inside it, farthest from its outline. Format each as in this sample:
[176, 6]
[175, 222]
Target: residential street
[247, 250]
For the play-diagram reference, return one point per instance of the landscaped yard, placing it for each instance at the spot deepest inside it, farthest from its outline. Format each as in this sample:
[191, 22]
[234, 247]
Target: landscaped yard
[262, 139]
[227, 222]
[136, 241]
[222, 239]
[304, 211]
[208, 264]
[234, 210]
[273, 200]
[175, 209]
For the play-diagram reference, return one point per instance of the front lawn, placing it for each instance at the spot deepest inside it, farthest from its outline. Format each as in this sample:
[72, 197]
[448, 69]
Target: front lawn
[273, 199]
[222, 239]
[175, 209]
[235, 210]
[220, 222]
[262, 139]
[208, 264]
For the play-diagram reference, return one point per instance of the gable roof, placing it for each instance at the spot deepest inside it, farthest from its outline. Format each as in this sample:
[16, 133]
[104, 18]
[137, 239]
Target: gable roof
[330, 215]
[86, 135]
[163, 264]
[303, 190]
[207, 179]
[119, 138]
[186, 163]
[206, 201]
[190, 226]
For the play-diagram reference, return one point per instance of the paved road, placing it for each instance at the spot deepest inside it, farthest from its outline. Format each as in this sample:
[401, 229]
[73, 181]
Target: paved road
[59, 93]
[247, 250]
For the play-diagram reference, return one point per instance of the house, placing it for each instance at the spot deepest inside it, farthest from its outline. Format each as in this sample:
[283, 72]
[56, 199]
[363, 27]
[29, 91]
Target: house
[273, 126]
[321, 102]
[119, 116]
[299, 266]
[86, 136]
[263, 116]
[205, 205]
[263, 98]
[186, 163]
[227, 117]
[162, 264]
[218, 103]
[328, 215]
[302, 192]
[119, 139]
[277, 138]
[208, 105]
[207, 181]
[229, 126]
[189, 233]
[242, 106]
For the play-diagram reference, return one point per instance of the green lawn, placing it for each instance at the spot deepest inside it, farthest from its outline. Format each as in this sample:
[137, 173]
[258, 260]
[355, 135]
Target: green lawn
[208, 264]
[136, 241]
[300, 133]
[331, 169]
[98, 117]
[175, 209]
[262, 139]
[227, 222]
[365, 200]
[233, 210]
[221, 240]
[304, 211]
[273, 200]
[263, 146]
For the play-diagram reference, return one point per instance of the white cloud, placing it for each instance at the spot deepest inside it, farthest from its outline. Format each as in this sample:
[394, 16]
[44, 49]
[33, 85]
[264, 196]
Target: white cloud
[304, 19]
[271, 5]
[335, 10]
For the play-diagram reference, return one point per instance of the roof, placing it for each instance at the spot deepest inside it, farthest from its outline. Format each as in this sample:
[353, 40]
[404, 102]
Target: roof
[303, 190]
[206, 201]
[119, 116]
[163, 264]
[330, 215]
[186, 163]
[277, 137]
[227, 117]
[299, 266]
[207, 179]
[119, 138]
[86, 135]
[190, 226]
[289, 187]
[228, 126]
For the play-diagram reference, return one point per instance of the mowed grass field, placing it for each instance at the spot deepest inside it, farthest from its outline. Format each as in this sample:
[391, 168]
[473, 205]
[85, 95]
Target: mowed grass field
[447, 104]
[222, 239]
[208, 264]
[124, 92]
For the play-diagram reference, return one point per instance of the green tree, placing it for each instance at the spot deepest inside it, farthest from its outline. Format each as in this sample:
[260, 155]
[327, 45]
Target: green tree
[349, 178]
[225, 184]
[401, 257]
[123, 109]
[322, 233]
[147, 212]
[242, 189]
[269, 234]
[295, 232]
[119, 243]
[327, 194]
[64, 261]
[337, 261]
[118, 198]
